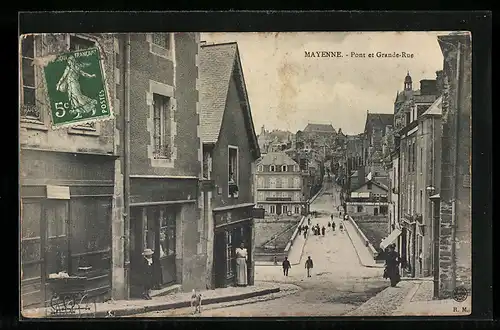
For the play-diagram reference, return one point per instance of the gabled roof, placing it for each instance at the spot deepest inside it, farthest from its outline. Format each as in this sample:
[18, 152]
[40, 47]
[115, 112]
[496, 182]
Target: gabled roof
[436, 108]
[380, 120]
[378, 184]
[218, 63]
[322, 128]
[276, 158]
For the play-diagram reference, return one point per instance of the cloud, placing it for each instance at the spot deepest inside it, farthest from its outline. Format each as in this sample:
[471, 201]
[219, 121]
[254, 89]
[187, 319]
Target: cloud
[287, 90]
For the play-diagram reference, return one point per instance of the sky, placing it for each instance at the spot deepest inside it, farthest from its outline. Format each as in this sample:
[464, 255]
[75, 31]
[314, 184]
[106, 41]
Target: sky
[288, 90]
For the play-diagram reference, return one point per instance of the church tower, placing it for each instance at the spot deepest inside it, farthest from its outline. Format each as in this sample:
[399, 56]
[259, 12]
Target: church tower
[408, 82]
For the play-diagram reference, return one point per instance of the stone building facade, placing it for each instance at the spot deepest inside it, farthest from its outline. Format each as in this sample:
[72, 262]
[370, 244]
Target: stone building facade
[455, 189]
[70, 209]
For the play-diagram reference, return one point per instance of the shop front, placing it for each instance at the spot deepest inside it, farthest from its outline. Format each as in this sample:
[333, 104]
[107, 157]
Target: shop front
[233, 226]
[156, 222]
[66, 208]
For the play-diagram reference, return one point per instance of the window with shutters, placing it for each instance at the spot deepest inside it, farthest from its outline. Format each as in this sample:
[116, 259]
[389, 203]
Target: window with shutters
[29, 109]
[162, 123]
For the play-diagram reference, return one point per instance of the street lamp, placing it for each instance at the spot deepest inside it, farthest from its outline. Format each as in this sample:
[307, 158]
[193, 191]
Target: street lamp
[435, 199]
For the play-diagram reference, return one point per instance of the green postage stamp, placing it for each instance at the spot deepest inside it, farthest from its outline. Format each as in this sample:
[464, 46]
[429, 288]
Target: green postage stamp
[77, 88]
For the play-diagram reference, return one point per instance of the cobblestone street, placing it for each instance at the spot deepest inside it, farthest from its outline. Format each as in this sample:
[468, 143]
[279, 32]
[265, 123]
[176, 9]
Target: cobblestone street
[339, 283]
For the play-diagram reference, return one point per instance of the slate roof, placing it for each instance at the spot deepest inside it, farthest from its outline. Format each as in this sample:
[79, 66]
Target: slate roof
[323, 128]
[382, 186]
[380, 120]
[216, 67]
[276, 158]
[435, 108]
[217, 64]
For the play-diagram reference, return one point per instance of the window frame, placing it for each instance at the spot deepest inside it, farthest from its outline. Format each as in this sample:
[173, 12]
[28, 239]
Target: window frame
[272, 209]
[165, 127]
[229, 254]
[165, 36]
[236, 164]
[272, 168]
[29, 119]
[284, 168]
[159, 50]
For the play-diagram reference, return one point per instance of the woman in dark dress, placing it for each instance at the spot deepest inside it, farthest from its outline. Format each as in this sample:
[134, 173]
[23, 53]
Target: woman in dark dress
[147, 267]
[392, 261]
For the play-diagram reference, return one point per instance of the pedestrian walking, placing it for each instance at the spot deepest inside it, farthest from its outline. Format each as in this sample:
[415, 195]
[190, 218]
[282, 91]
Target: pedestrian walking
[329, 224]
[341, 227]
[331, 217]
[286, 266]
[340, 214]
[147, 272]
[300, 230]
[392, 261]
[309, 220]
[323, 230]
[333, 226]
[309, 266]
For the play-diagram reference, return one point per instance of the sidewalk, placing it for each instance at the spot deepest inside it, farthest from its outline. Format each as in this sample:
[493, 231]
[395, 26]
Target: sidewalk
[365, 257]
[172, 301]
[411, 298]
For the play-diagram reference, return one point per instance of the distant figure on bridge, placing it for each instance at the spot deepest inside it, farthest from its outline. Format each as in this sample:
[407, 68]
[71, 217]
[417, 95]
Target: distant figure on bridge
[286, 266]
[309, 266]
[300, 230]
[306, 228]
[323, 230]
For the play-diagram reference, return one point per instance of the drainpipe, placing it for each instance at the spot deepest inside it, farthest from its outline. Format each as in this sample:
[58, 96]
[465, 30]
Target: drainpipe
[126, 159]
[455, 172]
[436, 226]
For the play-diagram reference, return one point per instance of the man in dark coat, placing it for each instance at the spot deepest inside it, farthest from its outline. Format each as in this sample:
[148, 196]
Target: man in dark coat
[286, 266]
[323, 230]
[333, 226]
[309, 266]
[147, 272]
[392, 261]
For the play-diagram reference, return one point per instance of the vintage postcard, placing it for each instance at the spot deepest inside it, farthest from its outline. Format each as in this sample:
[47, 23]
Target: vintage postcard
[245, 174]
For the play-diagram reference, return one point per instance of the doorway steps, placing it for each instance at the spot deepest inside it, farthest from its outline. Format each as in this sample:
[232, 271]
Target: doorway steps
[171, 289]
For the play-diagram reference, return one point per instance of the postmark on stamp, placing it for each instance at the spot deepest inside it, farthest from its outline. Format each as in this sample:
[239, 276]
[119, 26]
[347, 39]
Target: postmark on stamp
[76, 88]
[460, 294]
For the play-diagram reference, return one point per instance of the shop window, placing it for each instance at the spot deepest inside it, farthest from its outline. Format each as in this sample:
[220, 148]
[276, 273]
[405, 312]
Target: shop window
[285, 209]
[360, 208]
[56, 215]
[297, 209]
[167, 233]
[229, 254]
[383, 209]
[30, 239]
[233, 171]
[162, 126]
[272, 209]
[29, 108]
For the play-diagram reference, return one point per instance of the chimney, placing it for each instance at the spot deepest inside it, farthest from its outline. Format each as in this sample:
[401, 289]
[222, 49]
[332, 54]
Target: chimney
[428, 87]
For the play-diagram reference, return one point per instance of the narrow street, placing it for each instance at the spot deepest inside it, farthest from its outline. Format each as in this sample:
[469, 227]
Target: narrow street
[339, 283]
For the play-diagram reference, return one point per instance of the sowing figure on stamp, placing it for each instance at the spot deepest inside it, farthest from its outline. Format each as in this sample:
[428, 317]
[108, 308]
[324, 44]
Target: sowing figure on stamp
[70, 84]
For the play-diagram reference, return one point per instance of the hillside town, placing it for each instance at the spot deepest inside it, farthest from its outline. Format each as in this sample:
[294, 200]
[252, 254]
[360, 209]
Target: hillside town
[178, 198]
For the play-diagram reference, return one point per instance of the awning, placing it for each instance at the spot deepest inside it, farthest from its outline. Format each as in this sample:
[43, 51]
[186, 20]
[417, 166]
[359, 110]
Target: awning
[390, 239]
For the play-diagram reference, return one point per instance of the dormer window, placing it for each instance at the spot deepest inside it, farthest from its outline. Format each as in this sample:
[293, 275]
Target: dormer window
[369, 186]
[283, 168]
[272, 168]
[260, 168]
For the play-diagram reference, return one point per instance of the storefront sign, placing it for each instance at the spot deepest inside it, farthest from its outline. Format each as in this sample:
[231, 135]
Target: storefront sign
[57, 192]
[77, 88]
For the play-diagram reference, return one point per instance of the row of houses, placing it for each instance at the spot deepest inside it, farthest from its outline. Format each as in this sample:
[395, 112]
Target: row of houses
[172, 171]
[415, 169]
[429, 169]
